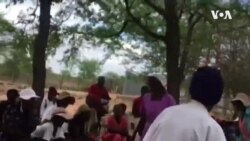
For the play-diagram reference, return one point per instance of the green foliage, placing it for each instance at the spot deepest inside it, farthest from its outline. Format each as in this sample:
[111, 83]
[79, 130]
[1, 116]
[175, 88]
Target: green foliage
[89, 69]
[5, 26]
[235, 61]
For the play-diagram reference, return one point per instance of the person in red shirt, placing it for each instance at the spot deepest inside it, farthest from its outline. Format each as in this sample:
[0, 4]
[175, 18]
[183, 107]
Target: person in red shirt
[98, 98]
[137, 111]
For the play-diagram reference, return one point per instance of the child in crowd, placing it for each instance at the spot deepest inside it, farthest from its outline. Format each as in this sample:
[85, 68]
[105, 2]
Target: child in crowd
[117, 126]
[51, 131]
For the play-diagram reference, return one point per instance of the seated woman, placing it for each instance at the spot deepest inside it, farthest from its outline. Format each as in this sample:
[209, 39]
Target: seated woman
[77, 126]
[117, 126]
[50, 131]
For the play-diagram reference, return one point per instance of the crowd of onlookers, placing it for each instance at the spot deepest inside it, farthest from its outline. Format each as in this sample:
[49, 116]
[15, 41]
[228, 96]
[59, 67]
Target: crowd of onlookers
[160, 118]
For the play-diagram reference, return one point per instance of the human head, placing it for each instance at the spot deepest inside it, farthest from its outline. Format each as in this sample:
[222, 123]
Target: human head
[52, 93]
[144, 90]
[207, 86]
[101, 81]
[155, 86]
[83, 113]
[118, 111]
[12, 95]
[64, 100]
[28, 97]
[124, 108]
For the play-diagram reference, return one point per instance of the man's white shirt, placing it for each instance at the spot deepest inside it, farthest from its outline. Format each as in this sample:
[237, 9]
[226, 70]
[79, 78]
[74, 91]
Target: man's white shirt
[45, 132]
[46, 103]
[186, 122]
[49, 112]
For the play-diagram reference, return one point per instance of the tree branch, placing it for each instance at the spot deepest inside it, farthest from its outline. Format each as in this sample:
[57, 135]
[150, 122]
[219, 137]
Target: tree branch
[125, 23]
[159, 10]
[192, 21]
[138, 22]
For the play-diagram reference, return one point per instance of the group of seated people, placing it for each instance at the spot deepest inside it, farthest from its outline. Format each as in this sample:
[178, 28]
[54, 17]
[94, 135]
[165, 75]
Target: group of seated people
[21, 123]
[19, 119]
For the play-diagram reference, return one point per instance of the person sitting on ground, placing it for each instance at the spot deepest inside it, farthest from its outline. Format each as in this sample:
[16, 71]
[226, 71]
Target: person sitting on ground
[117, 126]
[50, 130]
[11, 106]
[18, 120]
[137, 112]
[192, 121]
[241, 104]
[77, 125]
[98, 98]
[63, 100]
[12, 100]
[48, 100]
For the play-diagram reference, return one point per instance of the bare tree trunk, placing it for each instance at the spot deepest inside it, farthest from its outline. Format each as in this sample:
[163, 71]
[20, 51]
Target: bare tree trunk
[173, 49]
[40, 45]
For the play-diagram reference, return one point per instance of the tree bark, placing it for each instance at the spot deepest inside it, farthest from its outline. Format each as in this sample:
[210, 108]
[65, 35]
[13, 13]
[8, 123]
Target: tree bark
[40, 45]
[173, 49]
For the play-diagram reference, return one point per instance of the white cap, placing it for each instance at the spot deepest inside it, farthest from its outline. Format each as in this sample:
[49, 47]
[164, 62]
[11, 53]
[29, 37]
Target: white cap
[27, 94]
[242, 97]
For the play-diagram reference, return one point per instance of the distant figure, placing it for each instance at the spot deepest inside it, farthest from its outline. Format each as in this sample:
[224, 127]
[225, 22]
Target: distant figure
[77, 125]
[98, 98]
[19, 120]
[117, 126]
[155, 102]
[48, 100]
[192, 121]
[51, 131]
[137, 103]
[242, 110]
[137, 111]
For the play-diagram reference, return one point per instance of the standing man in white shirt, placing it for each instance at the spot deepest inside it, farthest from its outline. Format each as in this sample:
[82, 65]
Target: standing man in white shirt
[191, 121]
[48, 100]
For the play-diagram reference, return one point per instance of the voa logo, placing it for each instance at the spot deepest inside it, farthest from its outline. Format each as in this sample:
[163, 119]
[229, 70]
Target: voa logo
[226, 15]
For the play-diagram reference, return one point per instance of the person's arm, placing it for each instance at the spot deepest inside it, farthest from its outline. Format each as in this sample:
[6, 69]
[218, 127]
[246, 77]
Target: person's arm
[43, 106]
[106, 95]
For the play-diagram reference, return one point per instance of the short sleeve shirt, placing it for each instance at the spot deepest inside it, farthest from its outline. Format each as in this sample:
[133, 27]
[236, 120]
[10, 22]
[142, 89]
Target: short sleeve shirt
[186, 122]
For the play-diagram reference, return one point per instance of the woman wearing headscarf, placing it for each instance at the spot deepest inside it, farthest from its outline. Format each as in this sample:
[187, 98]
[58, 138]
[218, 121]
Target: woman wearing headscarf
[242, 109]
[77, 126]
[155, 102]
